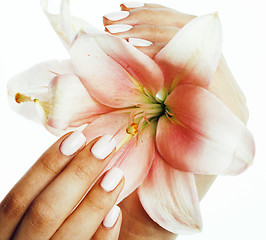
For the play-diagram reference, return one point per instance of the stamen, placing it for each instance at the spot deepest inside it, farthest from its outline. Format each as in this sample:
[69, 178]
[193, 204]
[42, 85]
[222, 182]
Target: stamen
[146, 119]
[132, 129]
[167, 111]
[19, 98]
[169, 118]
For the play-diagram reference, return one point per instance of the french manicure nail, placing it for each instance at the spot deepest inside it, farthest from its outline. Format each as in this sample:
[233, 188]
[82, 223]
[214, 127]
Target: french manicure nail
[117, 15]
[111, 179]
[118, 28]
[72, 143]
[133, 4]
[137, 42]
[103, 147]
[111, 218]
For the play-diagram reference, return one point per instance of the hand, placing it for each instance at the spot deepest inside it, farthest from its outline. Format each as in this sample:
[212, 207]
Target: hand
[48, 203]
[149, 28]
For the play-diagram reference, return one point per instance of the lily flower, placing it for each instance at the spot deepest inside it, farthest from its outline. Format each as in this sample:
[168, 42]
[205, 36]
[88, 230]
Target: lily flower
[166, 123]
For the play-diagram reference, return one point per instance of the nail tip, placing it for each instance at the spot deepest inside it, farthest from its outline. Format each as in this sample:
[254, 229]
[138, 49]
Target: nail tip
[116, 16]
[137, 42]
[103, 147]
[133, 4]
[117, 28]
[72, 143]
[111, 218]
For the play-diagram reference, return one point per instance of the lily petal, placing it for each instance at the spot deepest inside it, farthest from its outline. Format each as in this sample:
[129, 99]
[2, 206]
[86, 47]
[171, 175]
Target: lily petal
[170, 198]
[134, 158]
[192, 55]
[206, 138]
[66, 26]
[70, 103]
[129, 64]
[143, 69]
[32, 84]
[106, 79]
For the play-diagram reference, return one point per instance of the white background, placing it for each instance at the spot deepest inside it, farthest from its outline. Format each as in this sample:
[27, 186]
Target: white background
[235, 207]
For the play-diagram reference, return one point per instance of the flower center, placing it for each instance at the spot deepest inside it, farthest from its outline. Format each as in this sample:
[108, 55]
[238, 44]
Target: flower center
[144, 114]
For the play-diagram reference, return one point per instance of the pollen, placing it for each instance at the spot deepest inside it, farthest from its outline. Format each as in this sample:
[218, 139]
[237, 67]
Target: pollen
[19, 98]
[133, 129]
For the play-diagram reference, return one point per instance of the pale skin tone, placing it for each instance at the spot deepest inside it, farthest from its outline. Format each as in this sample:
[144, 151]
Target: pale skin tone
[41, 204]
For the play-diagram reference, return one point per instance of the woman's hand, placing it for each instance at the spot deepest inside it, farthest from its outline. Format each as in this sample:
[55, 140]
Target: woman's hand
[52, 200]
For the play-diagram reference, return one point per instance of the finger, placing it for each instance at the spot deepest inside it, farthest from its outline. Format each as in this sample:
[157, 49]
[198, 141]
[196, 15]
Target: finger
[87, 217]
[109, 233]
[132, 5]
[47, 167]
[57, 201]
[151, 33]
[150, 16]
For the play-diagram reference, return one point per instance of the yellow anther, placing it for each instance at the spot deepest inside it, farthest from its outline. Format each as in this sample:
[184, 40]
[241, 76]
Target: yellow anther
[133, 129]
[19, 98]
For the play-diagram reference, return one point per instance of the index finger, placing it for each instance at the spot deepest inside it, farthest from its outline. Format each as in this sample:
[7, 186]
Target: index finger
[47, 167]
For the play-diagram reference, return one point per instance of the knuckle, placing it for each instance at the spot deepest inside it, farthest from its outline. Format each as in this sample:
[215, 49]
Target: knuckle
[42, 215]
[50, 163]
[82, 171]
[145, 11]
[96, 204]
[13, 205]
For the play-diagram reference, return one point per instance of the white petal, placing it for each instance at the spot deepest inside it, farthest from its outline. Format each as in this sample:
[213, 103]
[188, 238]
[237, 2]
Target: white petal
[169, 196]
[64, 24]
[70, 103]
[33, 83]
[192, 55]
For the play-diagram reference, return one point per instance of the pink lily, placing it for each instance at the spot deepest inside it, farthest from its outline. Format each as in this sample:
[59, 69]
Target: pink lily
[166, 123]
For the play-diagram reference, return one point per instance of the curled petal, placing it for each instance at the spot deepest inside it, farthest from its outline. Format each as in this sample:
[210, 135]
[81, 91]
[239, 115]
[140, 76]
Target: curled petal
[169, 196]
[33, 84]
[206, 137]
[192, 55]
[63, 23]
[70, 103]
[225, 87]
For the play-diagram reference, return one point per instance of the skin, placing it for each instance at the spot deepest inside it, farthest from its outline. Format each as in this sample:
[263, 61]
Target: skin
[40, 205]
[159, 24]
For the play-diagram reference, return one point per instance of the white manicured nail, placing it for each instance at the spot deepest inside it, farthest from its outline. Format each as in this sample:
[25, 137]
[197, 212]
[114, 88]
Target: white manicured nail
[117, 15]
[103, 147]
[72, 143]
[133, 4]
[118, 28]
[137, 42]
[111, 179]
[111, 218]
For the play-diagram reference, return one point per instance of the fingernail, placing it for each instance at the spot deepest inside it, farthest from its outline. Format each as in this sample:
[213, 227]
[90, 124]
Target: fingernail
[133, 4]
[111, 179]
[117, 15]
[137, 42]
[118, 28]
[72, 143]
[111, 218]
[103, 147]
